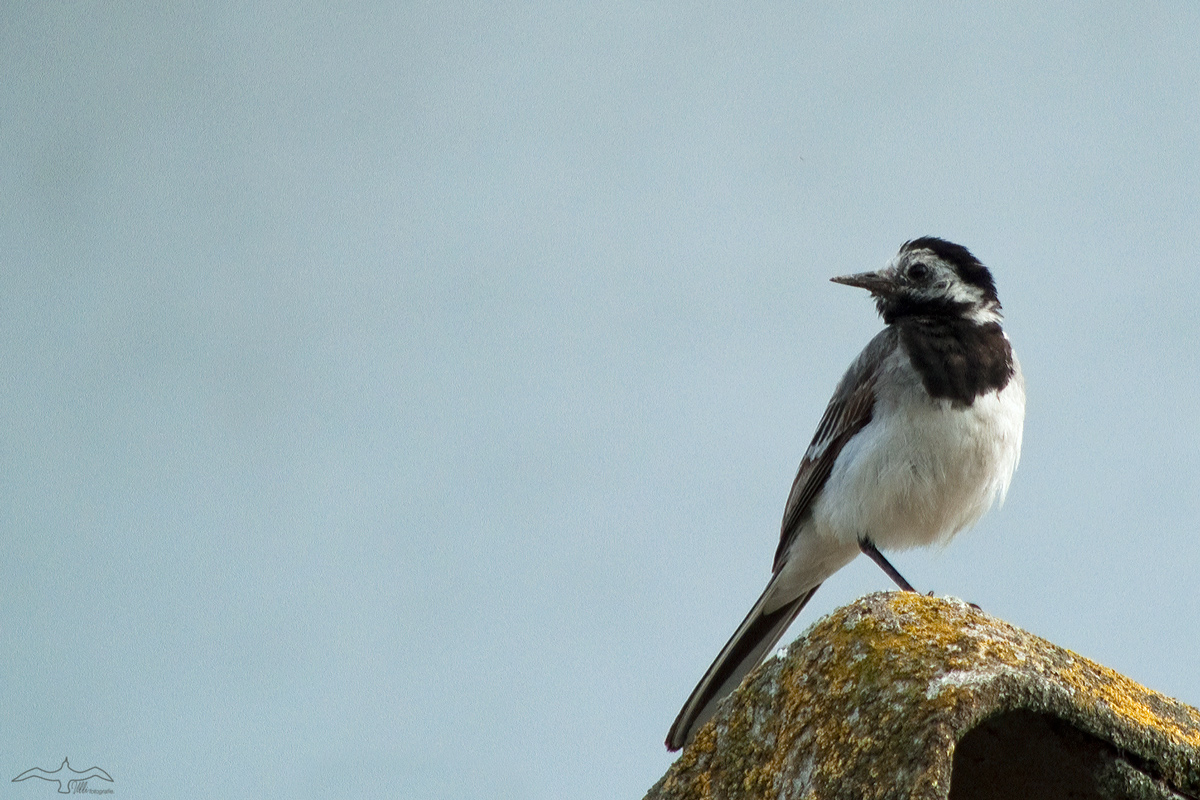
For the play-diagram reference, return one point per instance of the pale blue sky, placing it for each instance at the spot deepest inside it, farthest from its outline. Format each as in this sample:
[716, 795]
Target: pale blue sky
[402, 399]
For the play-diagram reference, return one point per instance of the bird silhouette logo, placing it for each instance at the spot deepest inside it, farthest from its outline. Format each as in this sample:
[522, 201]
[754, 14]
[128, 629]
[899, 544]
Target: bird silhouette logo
[64, 776]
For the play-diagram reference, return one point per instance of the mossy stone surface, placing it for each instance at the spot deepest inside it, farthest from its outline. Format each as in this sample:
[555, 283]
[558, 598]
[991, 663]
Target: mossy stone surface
[874, 699]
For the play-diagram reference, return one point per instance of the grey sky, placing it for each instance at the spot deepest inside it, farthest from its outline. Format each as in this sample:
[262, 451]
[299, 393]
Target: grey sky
[403, 398]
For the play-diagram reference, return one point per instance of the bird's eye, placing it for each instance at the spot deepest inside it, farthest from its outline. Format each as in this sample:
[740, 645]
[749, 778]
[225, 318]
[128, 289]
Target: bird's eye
[918, 271]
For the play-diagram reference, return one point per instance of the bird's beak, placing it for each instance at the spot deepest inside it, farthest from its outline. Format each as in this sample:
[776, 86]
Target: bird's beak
[877, 283]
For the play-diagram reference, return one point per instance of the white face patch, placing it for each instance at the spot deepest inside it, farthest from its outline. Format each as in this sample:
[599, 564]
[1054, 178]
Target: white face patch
[941, 282]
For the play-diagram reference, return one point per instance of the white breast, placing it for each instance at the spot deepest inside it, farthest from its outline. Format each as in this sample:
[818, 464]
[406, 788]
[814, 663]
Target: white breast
[921, 470]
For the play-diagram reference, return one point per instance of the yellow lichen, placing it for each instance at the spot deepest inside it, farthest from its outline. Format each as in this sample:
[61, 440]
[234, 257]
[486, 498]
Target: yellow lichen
[1095, 683]
[900, 668]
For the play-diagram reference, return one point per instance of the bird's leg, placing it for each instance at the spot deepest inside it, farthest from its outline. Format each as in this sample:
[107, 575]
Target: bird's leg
[868, 547]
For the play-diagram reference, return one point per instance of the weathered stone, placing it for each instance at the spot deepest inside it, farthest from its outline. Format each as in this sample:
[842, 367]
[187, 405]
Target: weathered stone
[904, 696]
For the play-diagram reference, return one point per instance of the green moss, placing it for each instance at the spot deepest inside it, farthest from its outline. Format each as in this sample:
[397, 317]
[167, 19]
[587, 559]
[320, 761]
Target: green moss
[870, 702]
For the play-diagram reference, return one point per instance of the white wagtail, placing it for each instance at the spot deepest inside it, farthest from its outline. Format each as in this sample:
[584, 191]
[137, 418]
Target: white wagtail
[921, 437]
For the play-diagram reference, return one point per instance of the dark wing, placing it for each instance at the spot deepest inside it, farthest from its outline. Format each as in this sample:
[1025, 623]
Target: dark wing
[36, 772]
[94, 772]
[847, 413]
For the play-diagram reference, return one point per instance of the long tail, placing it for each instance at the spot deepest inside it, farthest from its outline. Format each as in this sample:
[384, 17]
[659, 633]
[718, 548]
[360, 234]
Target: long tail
[748, 646]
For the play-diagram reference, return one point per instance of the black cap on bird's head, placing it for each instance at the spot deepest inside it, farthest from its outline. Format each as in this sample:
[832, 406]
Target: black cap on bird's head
[931, 277]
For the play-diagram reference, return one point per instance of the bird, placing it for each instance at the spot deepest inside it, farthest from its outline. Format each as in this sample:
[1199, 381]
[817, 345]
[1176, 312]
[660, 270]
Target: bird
[64, 779]
[920, 439]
